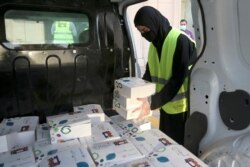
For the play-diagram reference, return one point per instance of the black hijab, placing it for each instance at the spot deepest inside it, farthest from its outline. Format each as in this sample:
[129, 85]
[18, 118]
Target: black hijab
[158, 24]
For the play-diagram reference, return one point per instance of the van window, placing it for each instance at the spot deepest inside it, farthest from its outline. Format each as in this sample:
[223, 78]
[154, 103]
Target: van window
[24, 27]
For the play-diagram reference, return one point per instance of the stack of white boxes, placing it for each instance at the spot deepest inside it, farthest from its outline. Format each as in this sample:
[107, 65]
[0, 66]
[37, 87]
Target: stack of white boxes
[17, 135]
[83, 138]
[126, 92]
[17, 132]
[19, 157]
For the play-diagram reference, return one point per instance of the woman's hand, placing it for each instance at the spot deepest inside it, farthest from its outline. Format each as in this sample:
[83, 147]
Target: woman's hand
[144, 109]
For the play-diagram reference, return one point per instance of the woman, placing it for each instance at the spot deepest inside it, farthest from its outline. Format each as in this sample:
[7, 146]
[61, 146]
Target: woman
[170, 55]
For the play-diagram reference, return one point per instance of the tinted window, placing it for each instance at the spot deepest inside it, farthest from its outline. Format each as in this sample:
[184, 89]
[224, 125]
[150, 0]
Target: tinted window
[39, 27]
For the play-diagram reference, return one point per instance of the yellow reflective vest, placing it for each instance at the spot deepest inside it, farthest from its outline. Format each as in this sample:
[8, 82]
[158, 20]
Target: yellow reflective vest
[161, 71]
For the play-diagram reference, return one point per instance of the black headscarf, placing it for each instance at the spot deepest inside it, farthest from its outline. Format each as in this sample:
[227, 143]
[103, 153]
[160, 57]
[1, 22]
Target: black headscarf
[158, 24]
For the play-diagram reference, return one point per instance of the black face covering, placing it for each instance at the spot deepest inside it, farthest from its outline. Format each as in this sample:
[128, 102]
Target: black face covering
[156, 22]
[149, 36]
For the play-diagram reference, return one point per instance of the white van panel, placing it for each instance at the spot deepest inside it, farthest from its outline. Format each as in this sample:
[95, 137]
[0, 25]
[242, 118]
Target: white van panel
[224, 65]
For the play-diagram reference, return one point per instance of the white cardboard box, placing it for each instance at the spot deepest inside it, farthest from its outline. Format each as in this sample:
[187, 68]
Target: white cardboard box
[102, 132]
[133, 87]
[117, 118]
[125, 102]
[149, 140]
[174, 156]
[19, 157]
[93, 111]
[114, 152]
[128, 114]
[127, 128]
[144, 162]
[42, 150]
[68, 126]
[77, 156]
[42, 132]
[19, 131]
[42, 143]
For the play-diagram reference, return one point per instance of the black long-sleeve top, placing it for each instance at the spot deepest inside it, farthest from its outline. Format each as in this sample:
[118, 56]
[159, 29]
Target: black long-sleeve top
[184, 55]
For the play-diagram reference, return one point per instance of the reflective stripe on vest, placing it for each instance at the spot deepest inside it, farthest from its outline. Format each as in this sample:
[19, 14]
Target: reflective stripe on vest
[63, 33]
[162, 71]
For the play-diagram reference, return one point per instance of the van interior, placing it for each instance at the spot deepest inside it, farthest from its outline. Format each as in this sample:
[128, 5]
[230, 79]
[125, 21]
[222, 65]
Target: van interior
[44, 74]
